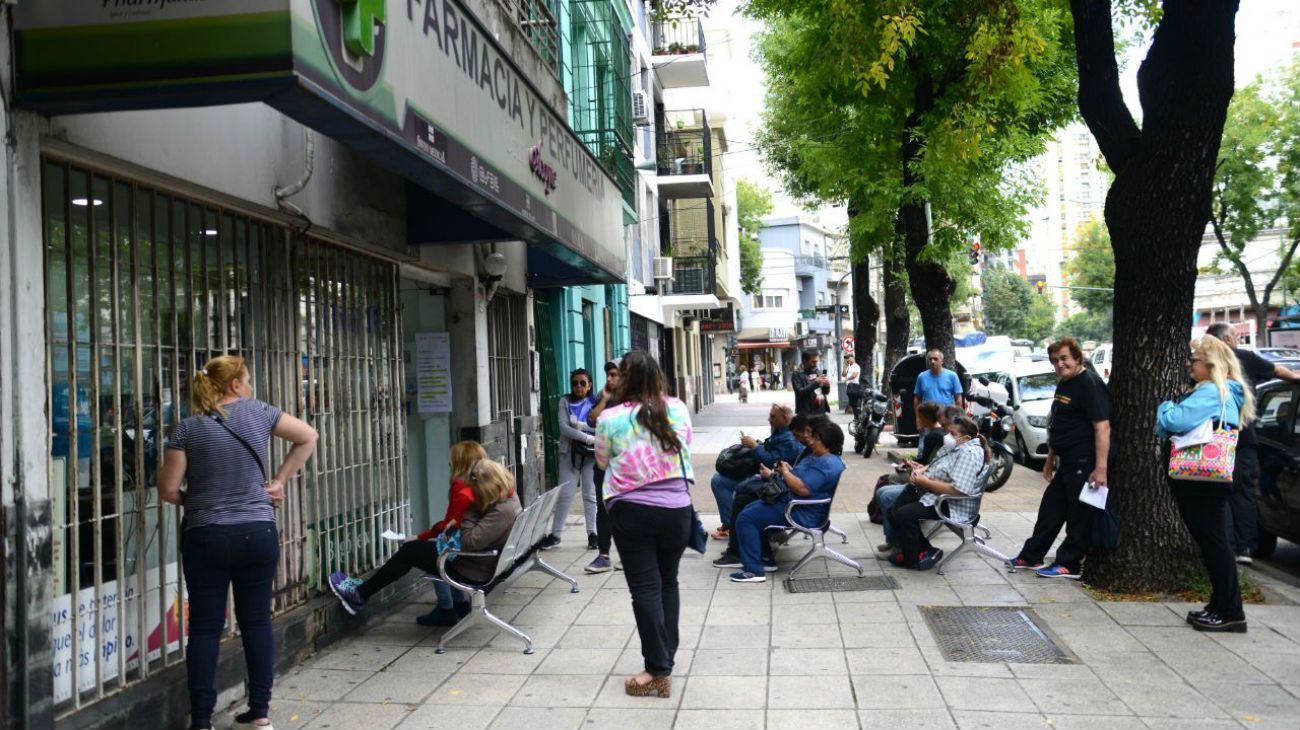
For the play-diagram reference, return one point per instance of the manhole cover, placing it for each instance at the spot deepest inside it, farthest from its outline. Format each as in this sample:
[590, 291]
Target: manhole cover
[840, 584]
[994, 634]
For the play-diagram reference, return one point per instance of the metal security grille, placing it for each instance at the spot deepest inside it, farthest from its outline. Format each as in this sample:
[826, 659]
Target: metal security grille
[536, 19]
[994, 634]
[840, 584]
[508, 364]
[142, 287]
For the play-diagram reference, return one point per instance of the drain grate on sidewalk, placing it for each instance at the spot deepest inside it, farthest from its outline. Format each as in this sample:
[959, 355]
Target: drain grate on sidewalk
[840, 584]
[994, 634]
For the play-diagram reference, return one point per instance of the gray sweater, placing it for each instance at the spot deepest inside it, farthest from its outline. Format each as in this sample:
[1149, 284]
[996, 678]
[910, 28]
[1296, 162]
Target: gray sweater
[484, 531]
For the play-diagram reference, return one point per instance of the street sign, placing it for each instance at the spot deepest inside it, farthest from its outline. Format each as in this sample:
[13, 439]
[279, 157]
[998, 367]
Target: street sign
[848, 345]
[807, 313]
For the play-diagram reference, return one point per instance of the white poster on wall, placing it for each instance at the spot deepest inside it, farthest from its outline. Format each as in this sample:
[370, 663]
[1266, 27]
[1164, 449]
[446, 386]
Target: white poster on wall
[433, 372]
[100, 636]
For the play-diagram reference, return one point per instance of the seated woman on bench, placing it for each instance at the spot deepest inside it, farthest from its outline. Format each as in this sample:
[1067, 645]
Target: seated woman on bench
[955, 473]
[484, 526]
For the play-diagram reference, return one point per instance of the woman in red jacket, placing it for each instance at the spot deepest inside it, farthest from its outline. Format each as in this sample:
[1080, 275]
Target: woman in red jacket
[422, 552]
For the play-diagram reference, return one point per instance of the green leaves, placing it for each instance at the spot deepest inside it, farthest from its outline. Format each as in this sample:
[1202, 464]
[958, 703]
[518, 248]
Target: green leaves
[1091, 268]
[752, 203]
[1013, 308]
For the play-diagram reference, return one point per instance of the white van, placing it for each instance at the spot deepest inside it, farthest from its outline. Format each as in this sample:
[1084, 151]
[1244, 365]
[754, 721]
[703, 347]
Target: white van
[1103, 359]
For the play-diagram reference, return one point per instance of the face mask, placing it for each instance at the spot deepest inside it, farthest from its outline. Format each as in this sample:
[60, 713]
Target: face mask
[949, 440]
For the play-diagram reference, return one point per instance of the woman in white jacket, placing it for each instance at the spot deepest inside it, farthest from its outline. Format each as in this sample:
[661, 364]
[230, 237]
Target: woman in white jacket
[577, 458]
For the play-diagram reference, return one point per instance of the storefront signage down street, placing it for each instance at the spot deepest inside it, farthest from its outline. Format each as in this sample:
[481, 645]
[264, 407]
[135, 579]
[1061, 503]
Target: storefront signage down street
[433, 96]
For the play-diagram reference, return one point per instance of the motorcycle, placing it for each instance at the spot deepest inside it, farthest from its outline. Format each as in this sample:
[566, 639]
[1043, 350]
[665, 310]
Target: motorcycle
[868, 420]
[996, 425]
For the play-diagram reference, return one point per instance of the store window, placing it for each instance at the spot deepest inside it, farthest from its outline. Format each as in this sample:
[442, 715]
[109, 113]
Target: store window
[142, 287]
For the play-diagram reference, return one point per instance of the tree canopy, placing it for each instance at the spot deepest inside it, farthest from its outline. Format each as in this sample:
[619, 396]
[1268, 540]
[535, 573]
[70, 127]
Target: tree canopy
[1090, 270]
[752, 203]
[1013, 308]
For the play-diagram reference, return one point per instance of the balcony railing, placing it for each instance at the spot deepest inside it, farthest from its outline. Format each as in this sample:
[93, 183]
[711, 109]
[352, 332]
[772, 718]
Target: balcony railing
[677, 36]
[608, 147]
[536, 19]
[685, 146]
[693, 275]
[810, 261]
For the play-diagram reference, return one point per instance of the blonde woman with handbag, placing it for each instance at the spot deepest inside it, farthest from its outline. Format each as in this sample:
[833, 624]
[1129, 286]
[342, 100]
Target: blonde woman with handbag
[1221, 397]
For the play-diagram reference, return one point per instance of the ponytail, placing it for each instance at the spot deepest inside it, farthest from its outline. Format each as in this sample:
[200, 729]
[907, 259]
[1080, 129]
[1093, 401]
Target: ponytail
[213, 382]
[988, 450]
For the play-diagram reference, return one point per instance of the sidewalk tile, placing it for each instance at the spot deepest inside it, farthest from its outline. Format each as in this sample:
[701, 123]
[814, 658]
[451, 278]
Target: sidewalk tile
[1075, 615]
[600, 718]
[396, 687]
[323, 685]
[613, 695]
[822, 692]
[291, 714]
[1142, 614]
[896, 692]
[877, 636]
[579, 661]
[983, 720]
[1052, 671]
[402, 633]
[818, 613]
[475, 689]
[544, 636]
[608, 637]
[731, 662]
[812, 719]
[985, 693]
[372, 716]
[1209, 667]
[941, 667]
[733, 637]
[988, 595]
[751, 615]
[782, 597]
[426, 660]
[720, 720]
[811, 662]
[1269, 705]
[502, 661]
[718, 693]
[1163, 723]
[1164, 699]
[901, 660]
[1281, 667]
[1089, 641]
[630, 661]
[1095, 722]
[356, 656]
[1141, 666]
[1261, 639]
[909, 719]
[812, 636]
[530, 718]
[870, 613]
[568, 690]
[1076, 696]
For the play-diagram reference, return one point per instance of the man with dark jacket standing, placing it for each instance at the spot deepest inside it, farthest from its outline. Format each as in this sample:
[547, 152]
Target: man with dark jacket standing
[1245, 474]
[810, 387]
[1078, 449]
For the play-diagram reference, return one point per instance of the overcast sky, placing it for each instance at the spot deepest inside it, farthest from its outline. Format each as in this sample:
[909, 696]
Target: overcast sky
[1268, 33]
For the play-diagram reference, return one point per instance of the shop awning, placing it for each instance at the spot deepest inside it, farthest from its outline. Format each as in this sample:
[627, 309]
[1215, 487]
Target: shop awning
[762, 345]
[425, 91]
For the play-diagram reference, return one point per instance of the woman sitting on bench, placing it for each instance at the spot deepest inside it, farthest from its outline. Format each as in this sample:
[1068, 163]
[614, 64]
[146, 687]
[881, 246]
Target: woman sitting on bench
[484, 526]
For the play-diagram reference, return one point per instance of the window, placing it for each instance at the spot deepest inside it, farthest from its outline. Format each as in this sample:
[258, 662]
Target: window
[1275, 414]
[774, 301]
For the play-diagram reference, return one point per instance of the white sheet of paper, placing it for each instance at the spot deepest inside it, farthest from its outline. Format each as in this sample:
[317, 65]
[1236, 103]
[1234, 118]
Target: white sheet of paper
[390, 535]
[1095, 497]
[1202, 434]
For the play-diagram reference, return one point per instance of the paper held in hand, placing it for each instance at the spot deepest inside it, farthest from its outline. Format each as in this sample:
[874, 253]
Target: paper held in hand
[1094, 496]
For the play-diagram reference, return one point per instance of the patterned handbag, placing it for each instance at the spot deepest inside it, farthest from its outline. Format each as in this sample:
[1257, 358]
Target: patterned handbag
[1211, 462]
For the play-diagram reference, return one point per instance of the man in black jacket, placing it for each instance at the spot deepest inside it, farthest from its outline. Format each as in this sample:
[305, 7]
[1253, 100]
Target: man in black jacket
[810, 387]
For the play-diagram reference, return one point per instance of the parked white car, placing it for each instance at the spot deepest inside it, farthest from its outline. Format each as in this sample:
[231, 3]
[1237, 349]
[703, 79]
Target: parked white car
[1103, 359]
[1030, 387]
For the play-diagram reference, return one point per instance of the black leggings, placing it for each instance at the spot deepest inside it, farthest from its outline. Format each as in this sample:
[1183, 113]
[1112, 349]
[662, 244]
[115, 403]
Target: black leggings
[603, 534]
[1204, 508]
[422, 554]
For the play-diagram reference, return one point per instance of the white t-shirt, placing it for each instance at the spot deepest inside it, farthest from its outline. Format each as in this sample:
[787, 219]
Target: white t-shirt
[852, 373]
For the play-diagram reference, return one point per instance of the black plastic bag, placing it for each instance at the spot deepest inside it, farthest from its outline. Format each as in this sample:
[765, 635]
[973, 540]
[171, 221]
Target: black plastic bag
[737, 462]
[1105, 529]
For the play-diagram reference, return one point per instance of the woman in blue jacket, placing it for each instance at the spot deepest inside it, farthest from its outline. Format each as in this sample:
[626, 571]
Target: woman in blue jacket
[1220, 392]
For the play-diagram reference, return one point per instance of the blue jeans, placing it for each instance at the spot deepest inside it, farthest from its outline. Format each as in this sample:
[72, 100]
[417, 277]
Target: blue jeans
[754, 548]
[217, 557]
[724, 490]
[886, 496]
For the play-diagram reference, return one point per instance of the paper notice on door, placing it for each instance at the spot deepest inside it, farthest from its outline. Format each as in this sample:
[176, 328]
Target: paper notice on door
[1095, 497]
[395, 536]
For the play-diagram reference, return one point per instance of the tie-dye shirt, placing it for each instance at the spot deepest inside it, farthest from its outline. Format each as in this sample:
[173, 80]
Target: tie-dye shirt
[630, 455]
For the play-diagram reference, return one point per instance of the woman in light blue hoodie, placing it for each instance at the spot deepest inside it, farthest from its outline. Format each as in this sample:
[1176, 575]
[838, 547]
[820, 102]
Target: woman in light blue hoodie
[1220, 392]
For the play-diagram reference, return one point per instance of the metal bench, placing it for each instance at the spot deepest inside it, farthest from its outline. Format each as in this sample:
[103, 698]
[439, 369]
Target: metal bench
[818, 536]
[972, 534]
[516, 558]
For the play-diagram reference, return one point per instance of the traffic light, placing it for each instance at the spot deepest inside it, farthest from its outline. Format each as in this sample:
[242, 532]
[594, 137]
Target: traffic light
[975, 253]
[1042, 286]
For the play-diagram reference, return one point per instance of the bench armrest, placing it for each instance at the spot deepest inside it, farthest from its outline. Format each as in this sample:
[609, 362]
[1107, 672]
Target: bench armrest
[442, 567]
[938, 508]
[789, 509]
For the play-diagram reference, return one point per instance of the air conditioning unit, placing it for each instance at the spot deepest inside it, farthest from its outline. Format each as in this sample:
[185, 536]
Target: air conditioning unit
[640, 108]
[663, 267]
[800, 329]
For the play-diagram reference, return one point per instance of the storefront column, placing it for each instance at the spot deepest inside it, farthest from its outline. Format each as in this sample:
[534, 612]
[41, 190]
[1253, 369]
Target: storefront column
[29, 688]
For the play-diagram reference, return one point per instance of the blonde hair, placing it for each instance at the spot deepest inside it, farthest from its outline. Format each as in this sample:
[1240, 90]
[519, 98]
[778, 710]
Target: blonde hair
[213, 382]
[463, 456]
[491, 483]
[1223, 366]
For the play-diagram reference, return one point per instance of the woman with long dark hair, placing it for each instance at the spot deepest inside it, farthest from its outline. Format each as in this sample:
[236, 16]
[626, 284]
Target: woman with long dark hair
[643, 444]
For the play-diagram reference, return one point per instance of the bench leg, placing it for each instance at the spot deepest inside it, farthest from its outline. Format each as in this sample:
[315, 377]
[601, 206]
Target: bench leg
[460, 627]
[950, 555]
[835, 555]
[807, 558]
[500, 623]
[554, 572]
[934, 530]
[844, 536]
[984, 548]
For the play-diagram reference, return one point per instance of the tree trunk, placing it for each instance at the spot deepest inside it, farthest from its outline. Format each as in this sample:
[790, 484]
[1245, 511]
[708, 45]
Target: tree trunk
[867, 315]
[898, 323]
[1156, 212]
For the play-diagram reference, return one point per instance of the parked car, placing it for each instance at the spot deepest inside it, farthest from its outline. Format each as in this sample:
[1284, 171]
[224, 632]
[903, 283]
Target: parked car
[901, 381]
[1279, 461]
[1103, 358]
[1288, 357]
[1030, 389]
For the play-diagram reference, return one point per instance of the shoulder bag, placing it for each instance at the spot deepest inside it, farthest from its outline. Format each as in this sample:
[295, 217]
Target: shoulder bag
[1211, 462]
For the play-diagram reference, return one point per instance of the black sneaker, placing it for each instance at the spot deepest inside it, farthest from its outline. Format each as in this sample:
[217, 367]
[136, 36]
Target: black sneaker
[252, 721]
[549, 542]
[929, 558]
[1214, 622]
[593, 542]
[438, 617]
[1194, 615]
[728, 560]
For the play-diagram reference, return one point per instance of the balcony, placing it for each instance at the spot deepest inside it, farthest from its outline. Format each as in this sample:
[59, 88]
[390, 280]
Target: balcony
[680, 60]
[688, 234]
[684, 154]
[693, 275]
[809, 264]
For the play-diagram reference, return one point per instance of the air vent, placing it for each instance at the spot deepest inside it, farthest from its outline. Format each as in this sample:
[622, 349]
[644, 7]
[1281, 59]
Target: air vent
[663, 266]
[640, 108]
